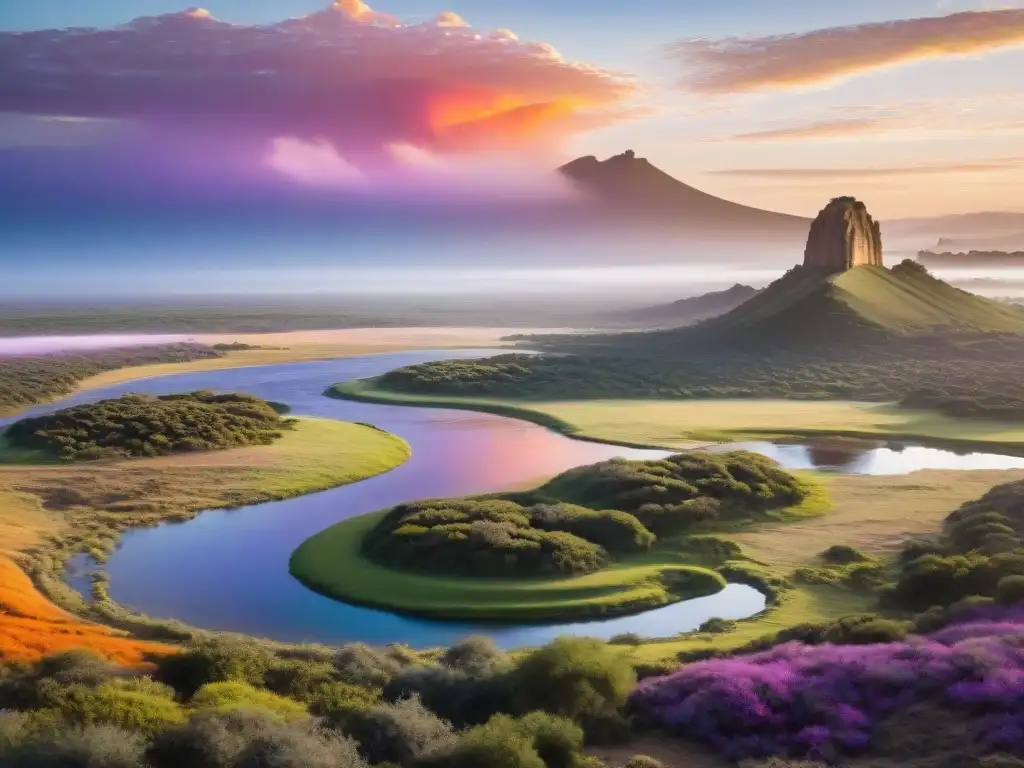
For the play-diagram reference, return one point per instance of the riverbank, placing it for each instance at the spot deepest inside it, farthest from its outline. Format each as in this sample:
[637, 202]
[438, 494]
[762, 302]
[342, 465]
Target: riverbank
[52, 511]
[685, 424]
[310, 346]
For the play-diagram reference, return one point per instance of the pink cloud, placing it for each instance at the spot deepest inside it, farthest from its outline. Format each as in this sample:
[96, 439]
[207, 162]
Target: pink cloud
[347, 77]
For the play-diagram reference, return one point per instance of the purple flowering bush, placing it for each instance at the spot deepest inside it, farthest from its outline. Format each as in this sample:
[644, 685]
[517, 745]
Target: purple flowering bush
[825, 701]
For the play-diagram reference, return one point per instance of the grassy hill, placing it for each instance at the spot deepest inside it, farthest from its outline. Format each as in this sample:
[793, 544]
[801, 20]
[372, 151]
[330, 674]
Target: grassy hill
[807, 304]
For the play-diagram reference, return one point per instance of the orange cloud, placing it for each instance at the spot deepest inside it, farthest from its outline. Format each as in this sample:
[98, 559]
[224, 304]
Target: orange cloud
[779, 62]
[347, 76]
[937, 169]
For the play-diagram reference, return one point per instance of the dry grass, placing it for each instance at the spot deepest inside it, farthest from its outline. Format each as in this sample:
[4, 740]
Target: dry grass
[873, 514]
[32, 626]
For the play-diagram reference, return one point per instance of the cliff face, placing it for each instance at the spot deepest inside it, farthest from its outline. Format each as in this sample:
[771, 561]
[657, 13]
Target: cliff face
[844, 236]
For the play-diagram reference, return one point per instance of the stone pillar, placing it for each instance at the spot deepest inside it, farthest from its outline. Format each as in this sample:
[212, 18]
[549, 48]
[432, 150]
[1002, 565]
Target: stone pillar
[844, 236]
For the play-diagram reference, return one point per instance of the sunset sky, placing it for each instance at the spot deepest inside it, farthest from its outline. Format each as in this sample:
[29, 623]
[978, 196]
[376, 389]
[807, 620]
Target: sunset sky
[778, 105]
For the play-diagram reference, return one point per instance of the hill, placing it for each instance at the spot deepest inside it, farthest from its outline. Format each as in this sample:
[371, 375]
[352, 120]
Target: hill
[689, 310]
[809, 304]
[631, 187]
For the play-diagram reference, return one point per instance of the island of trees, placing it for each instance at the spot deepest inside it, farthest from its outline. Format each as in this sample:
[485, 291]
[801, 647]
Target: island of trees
[549, 550]
[147, 425]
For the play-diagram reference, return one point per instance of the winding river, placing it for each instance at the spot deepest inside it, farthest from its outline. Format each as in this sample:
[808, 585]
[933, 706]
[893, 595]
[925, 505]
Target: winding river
[228, 569]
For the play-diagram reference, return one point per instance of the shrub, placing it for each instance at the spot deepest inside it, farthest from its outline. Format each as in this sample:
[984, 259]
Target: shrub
[38, 686]
[360, 664]
[535, 741]
[232, 695]
[841, 554]
[1010, 590]
[626, 638]
[717, 626]
[477, 655]
[456, 696]
[118, 705]
[214, 661]
[574, 677]
[146, 425]
[250, 740]
[94, 746]
[399, 732]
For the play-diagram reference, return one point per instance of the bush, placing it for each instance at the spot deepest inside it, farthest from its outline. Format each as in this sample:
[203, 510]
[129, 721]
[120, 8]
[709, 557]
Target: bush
[38, 686]
[477, 655]
[360, 664]
[399, 733]
[574, 678]
[95, 746]
[236, 696]
[146, 425]
[841, 554]
[456, 696]
[535, 741]
[247, 739]
[1010, 590]
[113, 704]
[214, 661]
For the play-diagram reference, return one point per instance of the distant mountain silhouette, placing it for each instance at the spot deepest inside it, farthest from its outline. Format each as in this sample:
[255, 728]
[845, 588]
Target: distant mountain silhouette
[690, 310]
[632, 189]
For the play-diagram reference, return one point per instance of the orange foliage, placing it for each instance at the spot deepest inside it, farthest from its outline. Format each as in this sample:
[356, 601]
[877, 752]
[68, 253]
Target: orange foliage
[31, 626]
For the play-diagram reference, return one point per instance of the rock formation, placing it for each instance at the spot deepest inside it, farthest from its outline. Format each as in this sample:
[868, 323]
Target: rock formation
[844, 236]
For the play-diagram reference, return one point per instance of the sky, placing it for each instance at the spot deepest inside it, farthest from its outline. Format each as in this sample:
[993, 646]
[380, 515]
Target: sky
[914, 106]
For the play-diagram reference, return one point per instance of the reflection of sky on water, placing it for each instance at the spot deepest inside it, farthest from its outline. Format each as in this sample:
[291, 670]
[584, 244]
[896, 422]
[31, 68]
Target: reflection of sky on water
[879, 459]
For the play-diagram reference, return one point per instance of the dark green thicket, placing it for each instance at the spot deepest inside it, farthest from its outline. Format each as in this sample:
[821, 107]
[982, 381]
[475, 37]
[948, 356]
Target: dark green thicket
[26, 381]
[966, 376]
[979, 553]
[582, 520]
[146, 425]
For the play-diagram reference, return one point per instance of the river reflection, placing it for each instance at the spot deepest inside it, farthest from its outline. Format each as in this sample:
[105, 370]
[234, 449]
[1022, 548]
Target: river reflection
[228, 570]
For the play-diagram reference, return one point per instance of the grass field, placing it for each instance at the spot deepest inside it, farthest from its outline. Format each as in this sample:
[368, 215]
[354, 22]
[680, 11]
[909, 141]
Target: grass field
[51, 511]
[331, 563]
[679, 424]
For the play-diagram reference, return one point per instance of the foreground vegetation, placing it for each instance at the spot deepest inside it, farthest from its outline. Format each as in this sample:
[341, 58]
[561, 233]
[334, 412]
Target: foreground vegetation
[610, 538]
[148, 425]
[25, 381]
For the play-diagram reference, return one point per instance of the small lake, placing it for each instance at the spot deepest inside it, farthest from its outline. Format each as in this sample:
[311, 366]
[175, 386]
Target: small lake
[228, 569]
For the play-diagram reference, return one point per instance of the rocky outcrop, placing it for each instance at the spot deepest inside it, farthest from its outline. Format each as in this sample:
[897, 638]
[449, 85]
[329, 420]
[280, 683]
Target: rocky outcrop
[844, 236]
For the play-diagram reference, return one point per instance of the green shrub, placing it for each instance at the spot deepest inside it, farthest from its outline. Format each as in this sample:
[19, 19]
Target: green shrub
[477, 655]
[147, 425]
[459, 697]
[214, 661]
[717, 626]
[298, 678]
[94, 746]
[574, 677]
[841, 554]
[359, 664]
[113, 704]
[535, 741]
[233, 695]
[400, 733]
[1010, 590]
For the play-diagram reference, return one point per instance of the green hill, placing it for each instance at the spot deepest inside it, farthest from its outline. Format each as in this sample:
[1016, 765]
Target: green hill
[809, 304]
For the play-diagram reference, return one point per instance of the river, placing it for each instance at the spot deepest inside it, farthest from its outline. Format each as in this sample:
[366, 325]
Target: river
[228, 569]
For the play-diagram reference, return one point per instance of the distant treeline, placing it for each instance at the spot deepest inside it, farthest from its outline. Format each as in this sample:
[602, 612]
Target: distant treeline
[971, 258]
[26, 381]
[976, 380]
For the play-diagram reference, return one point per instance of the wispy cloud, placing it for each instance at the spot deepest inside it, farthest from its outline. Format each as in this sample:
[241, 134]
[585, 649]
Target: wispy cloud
[779, 62]
[937, 169]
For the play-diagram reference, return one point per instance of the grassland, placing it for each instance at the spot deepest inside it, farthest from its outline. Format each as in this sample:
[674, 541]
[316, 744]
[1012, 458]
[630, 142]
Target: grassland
[52, 511]
[679, 424]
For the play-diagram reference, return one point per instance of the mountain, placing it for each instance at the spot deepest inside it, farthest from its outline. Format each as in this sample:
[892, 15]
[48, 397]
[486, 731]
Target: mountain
[631, 188]
[688, 311]
[842, 293]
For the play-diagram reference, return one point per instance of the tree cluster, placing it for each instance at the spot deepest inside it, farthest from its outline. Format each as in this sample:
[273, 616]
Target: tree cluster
[146, 425]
